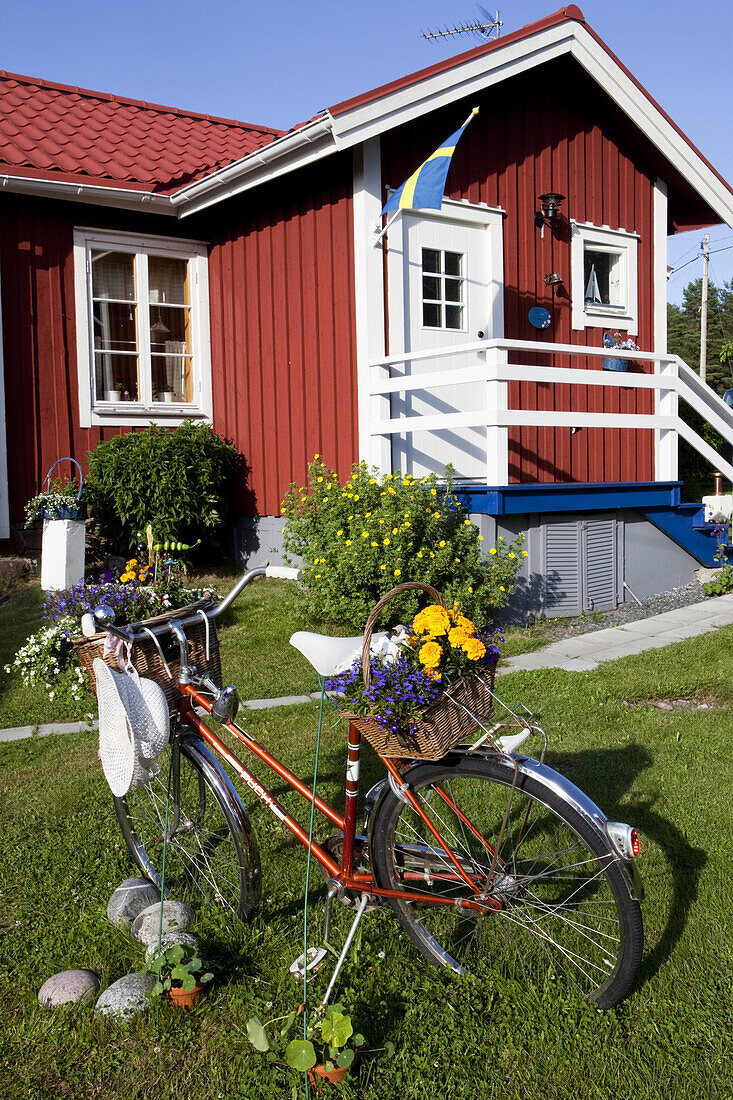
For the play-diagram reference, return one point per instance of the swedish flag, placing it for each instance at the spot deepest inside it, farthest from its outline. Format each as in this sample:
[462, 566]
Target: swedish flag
[424, 188]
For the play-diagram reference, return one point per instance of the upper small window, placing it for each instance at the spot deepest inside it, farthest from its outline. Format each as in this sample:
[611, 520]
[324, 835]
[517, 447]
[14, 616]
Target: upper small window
[604, 278]
[443, 284]
[143, 328]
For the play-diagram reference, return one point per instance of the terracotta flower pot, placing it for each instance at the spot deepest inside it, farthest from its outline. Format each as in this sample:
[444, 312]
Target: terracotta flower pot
[334, 1076]
[186, 998]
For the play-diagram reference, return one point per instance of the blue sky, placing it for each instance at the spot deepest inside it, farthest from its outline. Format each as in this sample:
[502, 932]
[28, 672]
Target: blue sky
[280, 63]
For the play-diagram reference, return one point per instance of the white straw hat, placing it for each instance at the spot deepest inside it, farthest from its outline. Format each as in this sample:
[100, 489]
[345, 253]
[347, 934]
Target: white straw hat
[134, 727]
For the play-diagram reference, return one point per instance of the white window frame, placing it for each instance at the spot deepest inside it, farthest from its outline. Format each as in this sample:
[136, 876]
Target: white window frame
[127, 413]
[620, 242]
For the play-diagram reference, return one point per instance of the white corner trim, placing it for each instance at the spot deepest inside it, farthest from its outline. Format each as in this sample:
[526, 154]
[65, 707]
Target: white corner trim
[659, 217]
[4, 486]
[369, 295]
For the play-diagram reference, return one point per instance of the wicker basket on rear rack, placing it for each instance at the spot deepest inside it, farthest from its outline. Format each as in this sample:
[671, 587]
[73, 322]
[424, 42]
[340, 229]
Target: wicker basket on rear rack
[150, 660]
[443, 724]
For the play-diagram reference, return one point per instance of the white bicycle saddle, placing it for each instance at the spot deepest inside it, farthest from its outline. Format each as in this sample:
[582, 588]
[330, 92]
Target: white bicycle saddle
[328, 655]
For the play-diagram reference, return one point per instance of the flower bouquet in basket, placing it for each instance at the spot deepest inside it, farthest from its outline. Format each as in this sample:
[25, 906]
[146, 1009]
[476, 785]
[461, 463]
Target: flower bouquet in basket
[424, 689]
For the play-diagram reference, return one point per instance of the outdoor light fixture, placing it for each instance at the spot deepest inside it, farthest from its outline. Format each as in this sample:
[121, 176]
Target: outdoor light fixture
[549, 208]
[553, 279]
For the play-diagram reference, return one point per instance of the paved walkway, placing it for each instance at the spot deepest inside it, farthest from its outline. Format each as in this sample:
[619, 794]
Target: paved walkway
[581, 653]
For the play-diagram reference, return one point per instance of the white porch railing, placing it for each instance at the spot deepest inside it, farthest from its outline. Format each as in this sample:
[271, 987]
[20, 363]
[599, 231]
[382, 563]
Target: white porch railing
[671, 380]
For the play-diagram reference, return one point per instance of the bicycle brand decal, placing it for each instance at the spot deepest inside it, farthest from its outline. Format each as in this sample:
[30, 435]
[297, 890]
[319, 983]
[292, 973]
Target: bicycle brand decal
[263, 795]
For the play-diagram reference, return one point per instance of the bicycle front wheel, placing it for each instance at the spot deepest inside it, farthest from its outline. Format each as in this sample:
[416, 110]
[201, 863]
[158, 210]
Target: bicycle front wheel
[211, 853]
[565, 908]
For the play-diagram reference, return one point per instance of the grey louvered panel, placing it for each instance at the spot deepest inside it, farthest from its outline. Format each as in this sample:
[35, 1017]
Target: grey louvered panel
[599, 564]
[562, 568]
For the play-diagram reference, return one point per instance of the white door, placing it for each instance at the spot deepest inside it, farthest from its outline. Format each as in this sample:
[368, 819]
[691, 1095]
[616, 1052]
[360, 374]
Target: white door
[445, 290]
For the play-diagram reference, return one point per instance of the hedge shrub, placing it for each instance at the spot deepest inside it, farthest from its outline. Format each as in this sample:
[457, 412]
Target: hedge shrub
[179, 480]
[359, 539]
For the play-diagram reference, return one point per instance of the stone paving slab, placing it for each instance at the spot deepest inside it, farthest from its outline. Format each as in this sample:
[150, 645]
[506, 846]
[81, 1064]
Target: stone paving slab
[18, 733]
[48, 728]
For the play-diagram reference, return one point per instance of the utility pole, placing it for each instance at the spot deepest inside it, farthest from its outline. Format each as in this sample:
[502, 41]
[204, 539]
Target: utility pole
[704, 307]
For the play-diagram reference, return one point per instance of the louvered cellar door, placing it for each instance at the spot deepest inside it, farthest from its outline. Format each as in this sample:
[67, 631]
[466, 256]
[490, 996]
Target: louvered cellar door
[580, 565]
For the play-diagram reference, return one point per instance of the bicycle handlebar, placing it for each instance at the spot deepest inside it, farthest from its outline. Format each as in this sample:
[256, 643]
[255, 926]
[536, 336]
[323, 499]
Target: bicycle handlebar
[90, 624]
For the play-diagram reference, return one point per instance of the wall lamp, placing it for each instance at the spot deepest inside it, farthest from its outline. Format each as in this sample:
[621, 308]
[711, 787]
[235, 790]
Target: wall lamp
[549, 208]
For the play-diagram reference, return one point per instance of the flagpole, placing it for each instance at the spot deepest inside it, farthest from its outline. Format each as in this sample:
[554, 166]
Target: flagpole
[397, 212]
[377, 239]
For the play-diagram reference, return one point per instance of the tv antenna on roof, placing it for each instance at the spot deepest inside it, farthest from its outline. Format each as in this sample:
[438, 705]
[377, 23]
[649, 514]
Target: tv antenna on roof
[484, 28]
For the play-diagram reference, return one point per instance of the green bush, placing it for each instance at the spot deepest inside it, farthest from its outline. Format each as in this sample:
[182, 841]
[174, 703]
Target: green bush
[178, 480]
[362, 538]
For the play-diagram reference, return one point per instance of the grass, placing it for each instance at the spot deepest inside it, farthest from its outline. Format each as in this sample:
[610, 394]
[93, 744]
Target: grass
[666, 772]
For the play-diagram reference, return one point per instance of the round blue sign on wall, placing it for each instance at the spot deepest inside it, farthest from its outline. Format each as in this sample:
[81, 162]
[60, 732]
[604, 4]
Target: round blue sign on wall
[539, 317]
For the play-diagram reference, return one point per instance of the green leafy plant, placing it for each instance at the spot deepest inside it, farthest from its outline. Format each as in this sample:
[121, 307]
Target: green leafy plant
[330, 1040]
[59, 501]
[176, 965]
[721, 583]
[175, 479]
[48, 657]
[359, 539]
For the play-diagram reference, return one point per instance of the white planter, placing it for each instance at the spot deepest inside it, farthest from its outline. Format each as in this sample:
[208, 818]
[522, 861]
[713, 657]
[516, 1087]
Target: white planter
[166, 397]
[62, 554]
[112, 395]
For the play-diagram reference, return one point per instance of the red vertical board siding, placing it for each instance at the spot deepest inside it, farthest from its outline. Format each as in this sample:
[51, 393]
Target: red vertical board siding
[518, 147]
[288, 351]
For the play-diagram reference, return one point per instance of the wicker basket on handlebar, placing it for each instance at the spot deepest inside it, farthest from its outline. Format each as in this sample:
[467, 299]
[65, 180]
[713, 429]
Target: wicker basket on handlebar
[146, 656]
[443, 724]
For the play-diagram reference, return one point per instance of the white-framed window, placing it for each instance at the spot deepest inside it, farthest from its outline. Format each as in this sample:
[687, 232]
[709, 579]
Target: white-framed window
[604, 278]
[443, 289]
[142, 315]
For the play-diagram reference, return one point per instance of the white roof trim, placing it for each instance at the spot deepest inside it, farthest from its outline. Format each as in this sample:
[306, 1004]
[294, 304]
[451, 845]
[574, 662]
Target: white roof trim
[119, 197]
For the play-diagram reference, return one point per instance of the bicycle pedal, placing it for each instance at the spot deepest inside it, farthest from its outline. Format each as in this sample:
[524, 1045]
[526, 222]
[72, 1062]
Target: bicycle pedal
[316, 959]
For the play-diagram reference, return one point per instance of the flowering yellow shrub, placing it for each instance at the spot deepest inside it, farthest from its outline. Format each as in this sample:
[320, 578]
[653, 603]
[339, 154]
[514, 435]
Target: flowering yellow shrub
[360, 538]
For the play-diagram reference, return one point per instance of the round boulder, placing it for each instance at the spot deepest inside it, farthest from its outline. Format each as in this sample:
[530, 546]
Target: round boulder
[185, 939]
[126, 997]
[68, 987]
[149, 924]
[129, 899]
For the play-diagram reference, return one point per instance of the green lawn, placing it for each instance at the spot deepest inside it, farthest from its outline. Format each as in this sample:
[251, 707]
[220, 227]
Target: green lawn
[668, 773]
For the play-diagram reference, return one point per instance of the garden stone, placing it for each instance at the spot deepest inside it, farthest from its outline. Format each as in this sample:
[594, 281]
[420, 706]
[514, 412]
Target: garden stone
[129, 899]
[147, 925]
[185, 939]
[68, 987]
[126, 997]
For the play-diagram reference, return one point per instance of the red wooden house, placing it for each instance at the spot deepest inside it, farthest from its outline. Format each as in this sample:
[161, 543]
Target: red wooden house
[157, 264]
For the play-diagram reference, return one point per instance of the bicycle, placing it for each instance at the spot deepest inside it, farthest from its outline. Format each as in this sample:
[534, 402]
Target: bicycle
[485, 855]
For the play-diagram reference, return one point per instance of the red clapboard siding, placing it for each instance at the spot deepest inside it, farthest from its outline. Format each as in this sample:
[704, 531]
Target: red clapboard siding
[281, 270]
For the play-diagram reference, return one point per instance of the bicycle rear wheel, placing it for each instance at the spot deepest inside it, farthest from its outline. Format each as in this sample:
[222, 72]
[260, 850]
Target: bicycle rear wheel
[211, 852]
[566, 910]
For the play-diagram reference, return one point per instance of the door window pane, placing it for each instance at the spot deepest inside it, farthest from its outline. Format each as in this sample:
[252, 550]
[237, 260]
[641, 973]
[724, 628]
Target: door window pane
[443, 290]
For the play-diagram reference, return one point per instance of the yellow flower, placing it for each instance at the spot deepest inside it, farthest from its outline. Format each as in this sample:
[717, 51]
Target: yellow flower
[329, 485]
[319, 479]
[512, 554]
[356, 496]
[318, 576]
[419, 553]
[348, 542]
[466, 523]
[501, 538]
[326, 498]
[367, 515]
[457, 636]
[365, 534]
[392, 492]
[316, 456]
[385, 542]
[430, 654]
[383, 567]
[436, 515]
[394, 530]
[442, 542]
[397, 572]
[525, 553]
[372, 481]
[502, 588]
[433, 620]
[470, 589]
[339, 533]
[474, 649]
[374, 543]
[492, 550]
[481, 538]
[131, 563]
[433, 492]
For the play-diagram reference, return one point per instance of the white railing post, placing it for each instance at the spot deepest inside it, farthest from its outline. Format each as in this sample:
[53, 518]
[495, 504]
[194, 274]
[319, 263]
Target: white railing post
[497, 434]
[665, 439]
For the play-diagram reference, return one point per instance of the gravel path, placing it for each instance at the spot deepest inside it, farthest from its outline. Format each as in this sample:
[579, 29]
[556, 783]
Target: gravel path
[627, 613]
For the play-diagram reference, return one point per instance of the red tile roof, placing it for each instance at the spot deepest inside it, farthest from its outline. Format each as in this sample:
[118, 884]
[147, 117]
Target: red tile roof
[53, 131]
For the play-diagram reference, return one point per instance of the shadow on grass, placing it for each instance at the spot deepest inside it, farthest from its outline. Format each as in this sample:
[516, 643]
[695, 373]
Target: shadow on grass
[606, 775]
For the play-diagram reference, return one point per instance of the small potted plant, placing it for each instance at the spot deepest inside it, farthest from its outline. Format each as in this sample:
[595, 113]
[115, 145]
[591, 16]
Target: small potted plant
[327, 1052]
[618, 342]
[177, 969]
[62, 498]
[165, 395]
[115, 394]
